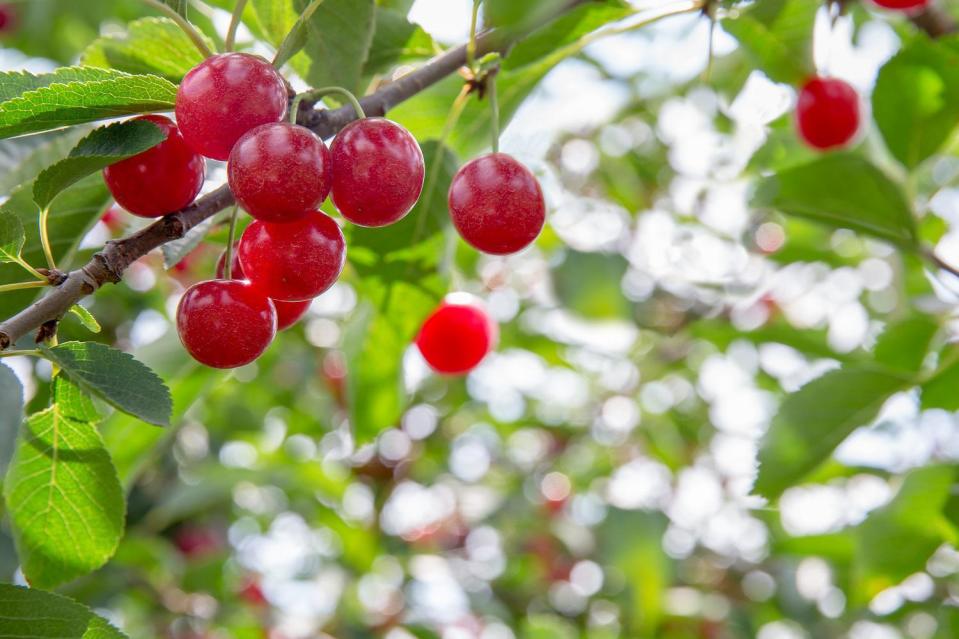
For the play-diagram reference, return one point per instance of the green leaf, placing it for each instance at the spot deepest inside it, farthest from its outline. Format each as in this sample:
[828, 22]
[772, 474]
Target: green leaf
[590, 284]
[11, 237]
[11, 402]
[115, 376]
[904, 345]
[777, 36]
[22, 159]
[27, 613]
[73, 402]
[940, 390]
[16, 83]
[175, 251]
[149, 45]
[814, 420]
[545, 626]
[103, 147]
[396, 41]
[338, 39]
[275, 18]
[916, 99]
[842, 190]
[86, 318]
[64, 498]
[58, 105]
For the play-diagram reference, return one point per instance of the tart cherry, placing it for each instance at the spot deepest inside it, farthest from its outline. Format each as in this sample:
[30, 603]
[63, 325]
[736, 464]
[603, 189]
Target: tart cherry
[279, 172]
[496, 204]
[287, 313]
[457, 336]
[902, 5]
[225, 96]
[827, 113]
[377, 171]
[295, 261]
[162, 179]
[225, 323]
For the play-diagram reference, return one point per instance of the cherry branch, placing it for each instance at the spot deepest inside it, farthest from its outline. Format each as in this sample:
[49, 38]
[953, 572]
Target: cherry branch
[108, 265]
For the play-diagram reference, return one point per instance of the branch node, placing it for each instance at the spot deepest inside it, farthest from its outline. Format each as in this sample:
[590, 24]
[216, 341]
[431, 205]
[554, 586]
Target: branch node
[47, 331]
[54, 276]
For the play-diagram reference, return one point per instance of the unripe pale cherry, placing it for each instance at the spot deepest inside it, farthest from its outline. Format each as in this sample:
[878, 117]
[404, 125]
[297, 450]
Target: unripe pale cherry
[287, 313]
[496, 204]
[225, 96]
[162, 179]
[377, 171]
[295, 261]
[827, 113]
[280, 172]
[902, 5]
[456, 337]
[225, 323]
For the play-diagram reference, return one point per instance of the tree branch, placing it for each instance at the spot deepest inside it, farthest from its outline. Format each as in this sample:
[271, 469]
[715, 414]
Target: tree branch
[109, 264]
[935, 21]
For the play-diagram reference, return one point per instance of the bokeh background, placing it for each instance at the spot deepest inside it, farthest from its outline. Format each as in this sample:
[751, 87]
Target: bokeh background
[592, 477]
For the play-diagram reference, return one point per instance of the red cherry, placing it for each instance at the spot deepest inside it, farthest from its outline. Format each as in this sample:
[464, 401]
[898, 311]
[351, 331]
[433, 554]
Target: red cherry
[197, 542]
[902, 5]
[162, 179]
[377, 171]
[280, 172]
[496, 204]
[225, 323]
[456, 337]
[225, 96]
[8, 18]
[827, 113]
[296, 261]
[287, 313]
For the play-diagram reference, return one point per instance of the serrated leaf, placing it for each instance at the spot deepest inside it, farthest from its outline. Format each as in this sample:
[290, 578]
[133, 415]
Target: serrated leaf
[842, 190]
[777, 36]
[149, 45]
[116, 377]
[11, 414]
[64, 499]
[814, 420]
[59, 105]
[103, 147]
[338, 39]
[16, 83]
[86, 318]
[22, 159]
[28, 613]
[73, 402]
[11, 237]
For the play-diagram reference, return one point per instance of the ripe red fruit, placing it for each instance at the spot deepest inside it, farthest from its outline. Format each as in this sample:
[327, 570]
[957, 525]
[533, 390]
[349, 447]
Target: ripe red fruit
[8, 18]
[377, 171]
[287, 313]
[902, 5]
[456, 337]
[496, 204]
[162, 179]
[225, 323]
[225, 96]
[280, 172]
[296, 261]
[827, 113]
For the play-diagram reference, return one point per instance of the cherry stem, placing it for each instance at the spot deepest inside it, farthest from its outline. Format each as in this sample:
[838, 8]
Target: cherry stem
[319, 94]
[494, 111]
[234, 24]
[231, 238]
[184, 25]
[45, 238]
[21, 285]
[37, 274]
[471, 44]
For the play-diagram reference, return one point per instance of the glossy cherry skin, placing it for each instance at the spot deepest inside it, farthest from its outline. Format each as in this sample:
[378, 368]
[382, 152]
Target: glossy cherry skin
[287, 313]
[295, 261]
[225, 323]
[162, 179]
[377, 171]
[496, 204]
[827, 114]
[902, 5]
[225, 96]
[280, 172]
[456, 337]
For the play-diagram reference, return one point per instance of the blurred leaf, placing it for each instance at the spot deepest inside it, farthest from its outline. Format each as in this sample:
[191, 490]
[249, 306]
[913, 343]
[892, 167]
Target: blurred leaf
[103, 147]
[11, 414]
[842, 190]
[22, 159]
[544, 626]
[396, 41]
[916, 99]
[149, 45]
[338, 39]
[11, 237]
[940, 391]
[590, 284]
[33, 614]
[175, 251]
[115, 376]
[904, 345]
[86, 318]
[64, 498]
[814, 420]
[777, 36]
[58, 105]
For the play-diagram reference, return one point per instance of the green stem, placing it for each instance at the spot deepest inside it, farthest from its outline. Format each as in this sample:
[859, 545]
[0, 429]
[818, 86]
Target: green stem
[32, 352]
[17, 286]
[184, 25]
[234, 24]
[231, 238]
[494, 111]
[318, 94]
[37, 274]
[471, 45]
[45, 238]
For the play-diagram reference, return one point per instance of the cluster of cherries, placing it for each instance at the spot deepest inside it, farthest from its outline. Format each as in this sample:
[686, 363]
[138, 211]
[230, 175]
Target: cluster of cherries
[231, 107]
[828, 113]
